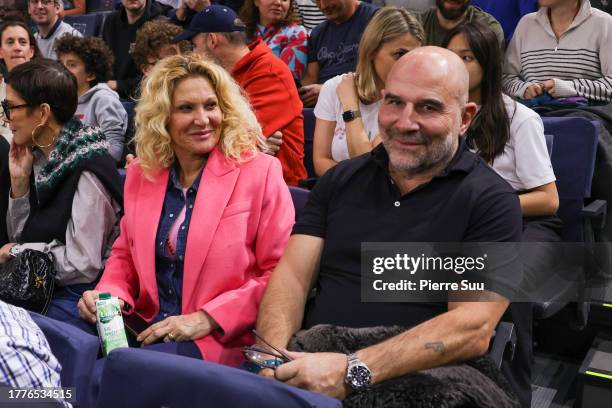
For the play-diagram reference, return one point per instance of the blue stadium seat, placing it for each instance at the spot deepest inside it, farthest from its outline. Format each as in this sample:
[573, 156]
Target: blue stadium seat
[100, 5]
[549, 143]
[573, 160]
[87, 24]
[144, 378]
[75, 350]
[309, 127]
[299, 197]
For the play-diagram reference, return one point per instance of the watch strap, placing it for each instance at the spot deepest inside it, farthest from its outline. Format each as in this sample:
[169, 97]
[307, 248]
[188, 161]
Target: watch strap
[350, 115]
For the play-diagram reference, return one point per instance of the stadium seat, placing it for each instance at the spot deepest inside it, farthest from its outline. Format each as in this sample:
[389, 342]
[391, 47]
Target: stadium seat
[299, 197]
[573, 160]
[309, 127]
[144, 378]
[75, 350]
[100, 5]
[549, 143]
[87, 24]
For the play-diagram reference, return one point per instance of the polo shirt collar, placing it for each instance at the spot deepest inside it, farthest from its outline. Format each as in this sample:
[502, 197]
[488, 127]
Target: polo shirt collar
[53, 29]
[463, 160]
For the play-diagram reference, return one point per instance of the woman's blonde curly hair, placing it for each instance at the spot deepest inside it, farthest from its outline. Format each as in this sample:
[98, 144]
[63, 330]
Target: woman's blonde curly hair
[240, 132]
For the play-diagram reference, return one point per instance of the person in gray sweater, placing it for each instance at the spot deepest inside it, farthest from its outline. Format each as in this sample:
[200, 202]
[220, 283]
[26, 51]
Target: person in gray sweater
[564, 50]
[90, 61]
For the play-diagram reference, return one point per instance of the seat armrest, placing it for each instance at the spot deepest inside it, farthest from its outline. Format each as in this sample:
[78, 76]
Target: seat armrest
[597, 210]
[504, 343]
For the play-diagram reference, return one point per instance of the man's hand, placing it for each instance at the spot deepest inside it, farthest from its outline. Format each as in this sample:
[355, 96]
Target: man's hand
[274, 143]
[309, 94]
[319, 372]
[532, 91]
[179, 328]
[4, 253]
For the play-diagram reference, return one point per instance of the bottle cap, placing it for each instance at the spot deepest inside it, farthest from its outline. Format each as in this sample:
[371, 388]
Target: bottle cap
[104, 296]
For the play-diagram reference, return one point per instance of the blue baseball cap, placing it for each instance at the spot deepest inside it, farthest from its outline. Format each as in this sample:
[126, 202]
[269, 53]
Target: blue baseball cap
[213, 19]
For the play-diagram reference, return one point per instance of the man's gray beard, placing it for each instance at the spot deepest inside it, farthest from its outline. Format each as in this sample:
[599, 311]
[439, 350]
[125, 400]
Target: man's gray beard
[433, 155]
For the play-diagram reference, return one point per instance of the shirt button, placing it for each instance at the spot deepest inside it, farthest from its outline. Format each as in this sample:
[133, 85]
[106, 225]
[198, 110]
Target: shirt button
[165, 314]
[171, 215]
[181, 257]
[161, 243]
[190, 205]
[397, 203]
[169, 291]
[183, 227]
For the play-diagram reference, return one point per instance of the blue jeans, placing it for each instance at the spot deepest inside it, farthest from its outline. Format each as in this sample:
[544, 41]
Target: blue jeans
[63, 306]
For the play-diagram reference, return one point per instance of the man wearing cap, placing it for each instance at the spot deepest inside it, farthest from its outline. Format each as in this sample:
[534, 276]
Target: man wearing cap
[218, 34]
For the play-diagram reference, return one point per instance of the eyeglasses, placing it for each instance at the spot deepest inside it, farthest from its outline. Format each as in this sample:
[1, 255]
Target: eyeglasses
[6, 108]
[43, 2]
[265, 358]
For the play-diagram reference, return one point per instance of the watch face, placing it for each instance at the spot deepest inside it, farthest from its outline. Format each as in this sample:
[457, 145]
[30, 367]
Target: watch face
[359, 377]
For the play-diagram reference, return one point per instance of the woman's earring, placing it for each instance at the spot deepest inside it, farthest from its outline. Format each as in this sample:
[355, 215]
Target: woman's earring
[37, 133]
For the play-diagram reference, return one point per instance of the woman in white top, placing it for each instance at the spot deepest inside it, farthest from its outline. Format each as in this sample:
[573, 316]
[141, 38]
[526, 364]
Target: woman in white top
[347, 108]
[17, 46]
[508, 135]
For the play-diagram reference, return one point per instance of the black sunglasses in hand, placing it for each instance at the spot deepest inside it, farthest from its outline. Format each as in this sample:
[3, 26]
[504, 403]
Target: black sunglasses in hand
[263, 357]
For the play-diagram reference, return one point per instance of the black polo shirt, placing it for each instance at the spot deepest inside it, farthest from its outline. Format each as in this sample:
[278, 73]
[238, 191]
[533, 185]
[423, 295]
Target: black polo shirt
[357, 201]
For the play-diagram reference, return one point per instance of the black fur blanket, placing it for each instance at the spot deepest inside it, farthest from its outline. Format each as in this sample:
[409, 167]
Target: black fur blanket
[475, 383]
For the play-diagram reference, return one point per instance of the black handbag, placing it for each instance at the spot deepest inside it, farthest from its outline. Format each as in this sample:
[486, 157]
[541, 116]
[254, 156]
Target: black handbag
[28, 280]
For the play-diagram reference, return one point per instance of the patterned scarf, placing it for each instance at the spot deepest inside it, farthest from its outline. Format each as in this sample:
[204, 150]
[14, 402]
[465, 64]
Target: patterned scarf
[75, 144]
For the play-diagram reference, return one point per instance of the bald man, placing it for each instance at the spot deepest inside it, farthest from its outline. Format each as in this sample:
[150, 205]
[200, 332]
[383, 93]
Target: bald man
[421, 184]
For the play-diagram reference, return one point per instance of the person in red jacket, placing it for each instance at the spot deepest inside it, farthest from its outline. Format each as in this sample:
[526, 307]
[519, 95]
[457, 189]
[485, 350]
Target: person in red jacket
[218, 34]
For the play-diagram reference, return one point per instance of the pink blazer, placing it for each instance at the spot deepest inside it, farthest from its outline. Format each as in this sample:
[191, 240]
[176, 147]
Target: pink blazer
[240, 225]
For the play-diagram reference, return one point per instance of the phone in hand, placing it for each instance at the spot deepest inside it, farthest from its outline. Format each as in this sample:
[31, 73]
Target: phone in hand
[135, 324]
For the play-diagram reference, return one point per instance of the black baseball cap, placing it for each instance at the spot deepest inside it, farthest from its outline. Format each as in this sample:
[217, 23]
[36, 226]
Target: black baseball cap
[213, 19]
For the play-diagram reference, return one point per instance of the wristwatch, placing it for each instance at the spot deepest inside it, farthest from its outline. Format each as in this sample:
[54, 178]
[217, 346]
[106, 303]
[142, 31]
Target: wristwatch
[349, 115]
[14, 251]
[358, 375]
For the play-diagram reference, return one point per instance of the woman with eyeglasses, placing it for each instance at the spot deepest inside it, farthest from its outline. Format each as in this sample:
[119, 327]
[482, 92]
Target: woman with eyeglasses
[65, 195]
[91, 62]
[17, 45]
[273, 22]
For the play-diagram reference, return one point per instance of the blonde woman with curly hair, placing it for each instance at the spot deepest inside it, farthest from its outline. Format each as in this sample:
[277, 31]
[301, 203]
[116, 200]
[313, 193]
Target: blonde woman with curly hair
[207, 216]
[347, 108]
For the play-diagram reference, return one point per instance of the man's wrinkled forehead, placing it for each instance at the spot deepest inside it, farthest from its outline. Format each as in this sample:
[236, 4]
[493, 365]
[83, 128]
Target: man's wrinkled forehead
[431, 76]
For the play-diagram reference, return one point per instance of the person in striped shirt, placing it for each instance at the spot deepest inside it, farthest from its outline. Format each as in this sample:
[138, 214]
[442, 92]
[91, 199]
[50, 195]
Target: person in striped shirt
[310, 15]
[26, 360]
[563, 50]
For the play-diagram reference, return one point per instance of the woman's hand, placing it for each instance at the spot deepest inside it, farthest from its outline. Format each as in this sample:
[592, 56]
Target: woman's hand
[87, 305]
[20, 169]
[532, 91]
[5, 256]
[188, 327]
[347, 92]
